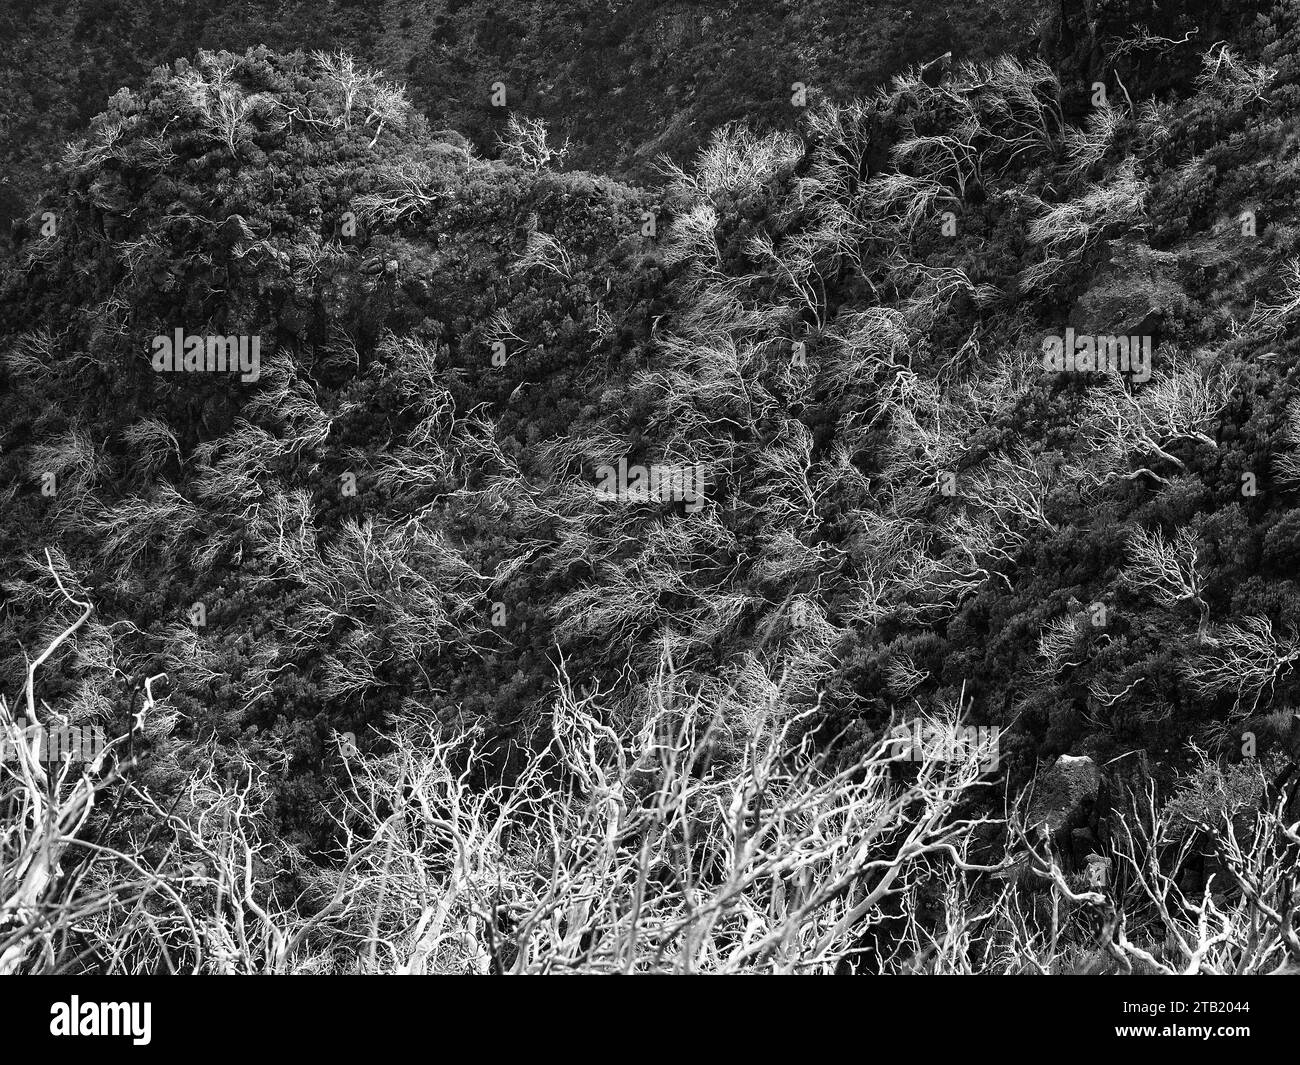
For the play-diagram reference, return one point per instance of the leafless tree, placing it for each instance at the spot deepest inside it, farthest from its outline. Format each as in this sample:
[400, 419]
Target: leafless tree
[1166, 569]
[1244, 657]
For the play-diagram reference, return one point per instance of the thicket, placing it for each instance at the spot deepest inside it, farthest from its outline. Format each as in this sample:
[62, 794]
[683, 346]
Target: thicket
[621, 82]
[395, 534]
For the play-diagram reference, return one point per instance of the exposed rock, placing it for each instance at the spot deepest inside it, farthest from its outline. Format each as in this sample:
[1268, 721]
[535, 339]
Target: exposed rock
[1064, 799]
[933, 72]
[1128, 778]
[1131, 772]
[1098, 871]
[1132, 294]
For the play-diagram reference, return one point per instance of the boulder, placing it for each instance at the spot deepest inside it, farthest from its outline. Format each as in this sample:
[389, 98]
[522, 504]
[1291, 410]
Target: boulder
[1064, 798]
[1132, 293]
[1098, 871]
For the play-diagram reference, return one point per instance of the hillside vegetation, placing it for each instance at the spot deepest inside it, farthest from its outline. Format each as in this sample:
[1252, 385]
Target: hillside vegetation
[411, 673]
[622, 82]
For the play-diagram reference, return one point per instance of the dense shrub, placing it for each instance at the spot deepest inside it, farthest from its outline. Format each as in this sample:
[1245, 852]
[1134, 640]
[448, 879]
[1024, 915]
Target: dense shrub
[878, 501]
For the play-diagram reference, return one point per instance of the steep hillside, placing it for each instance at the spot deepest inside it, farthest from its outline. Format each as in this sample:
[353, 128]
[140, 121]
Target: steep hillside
[970, 401]
[622, 82]
[377, 265]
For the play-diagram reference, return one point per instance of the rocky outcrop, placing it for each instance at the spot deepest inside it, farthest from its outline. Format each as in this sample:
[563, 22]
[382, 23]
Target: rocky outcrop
[1132, 294]
[1064, 806]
